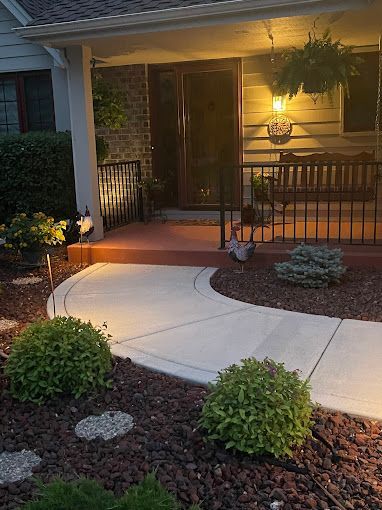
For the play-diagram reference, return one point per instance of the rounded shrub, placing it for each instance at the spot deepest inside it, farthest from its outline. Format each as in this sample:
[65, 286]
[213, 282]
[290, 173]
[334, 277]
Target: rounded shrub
[59, 356]
[312, 267]
[258, 408]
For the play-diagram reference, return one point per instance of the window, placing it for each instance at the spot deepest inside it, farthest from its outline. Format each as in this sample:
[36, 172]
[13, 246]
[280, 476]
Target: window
[26, 102]
[9, 116]
[359, 110]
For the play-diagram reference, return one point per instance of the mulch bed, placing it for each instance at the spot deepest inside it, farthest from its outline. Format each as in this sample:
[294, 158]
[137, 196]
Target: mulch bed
[27, 303]
[358, 296]
[341, 467]
[166, 438]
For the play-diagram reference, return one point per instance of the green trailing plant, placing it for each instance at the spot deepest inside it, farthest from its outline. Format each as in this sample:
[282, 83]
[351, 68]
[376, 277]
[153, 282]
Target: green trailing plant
[36, 175]
[320, 67]
[59, 356]
[102, 148]
[32, 232]
[258, 407]
[90, 495]
[108, 104]
[312, 266]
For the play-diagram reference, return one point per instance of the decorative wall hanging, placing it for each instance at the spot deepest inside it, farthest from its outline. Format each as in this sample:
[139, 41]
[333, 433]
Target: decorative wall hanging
[279, 129]
[320, 67]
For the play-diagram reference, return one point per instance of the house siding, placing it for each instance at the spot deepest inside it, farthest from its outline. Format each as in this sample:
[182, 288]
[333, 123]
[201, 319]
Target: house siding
[15, 53]
[316, 127]
[133, 141]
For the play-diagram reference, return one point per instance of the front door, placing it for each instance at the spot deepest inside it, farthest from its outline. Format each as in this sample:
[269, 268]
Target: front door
[195, 129]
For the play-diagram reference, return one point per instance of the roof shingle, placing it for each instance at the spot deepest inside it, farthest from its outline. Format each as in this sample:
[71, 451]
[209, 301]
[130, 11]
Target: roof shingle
[61, 11]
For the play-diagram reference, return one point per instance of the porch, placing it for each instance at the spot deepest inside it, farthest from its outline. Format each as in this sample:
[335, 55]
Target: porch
[195, 107]
[181, 245]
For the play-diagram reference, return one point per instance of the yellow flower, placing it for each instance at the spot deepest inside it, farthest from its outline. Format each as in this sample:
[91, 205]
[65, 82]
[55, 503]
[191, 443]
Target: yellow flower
[33, 229]
[8, 245]
[23, 215]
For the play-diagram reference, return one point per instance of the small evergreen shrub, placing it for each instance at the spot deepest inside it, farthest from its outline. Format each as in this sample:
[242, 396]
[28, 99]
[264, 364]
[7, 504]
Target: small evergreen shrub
[59, 356]
[312, 266]
[258, 408]
[80, 495]
[150, 495]
[89, 495]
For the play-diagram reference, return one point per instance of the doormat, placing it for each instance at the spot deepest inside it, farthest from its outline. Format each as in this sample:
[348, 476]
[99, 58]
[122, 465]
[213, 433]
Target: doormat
[195, 223]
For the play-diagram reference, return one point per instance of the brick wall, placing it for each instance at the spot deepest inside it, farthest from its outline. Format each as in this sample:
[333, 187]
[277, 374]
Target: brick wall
[134, 140]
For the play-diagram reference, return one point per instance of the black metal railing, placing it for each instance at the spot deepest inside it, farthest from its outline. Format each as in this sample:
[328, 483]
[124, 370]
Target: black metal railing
[332, 201]
[120, 193]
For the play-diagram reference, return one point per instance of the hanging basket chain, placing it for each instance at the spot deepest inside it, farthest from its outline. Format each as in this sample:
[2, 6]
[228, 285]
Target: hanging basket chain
[379, 105]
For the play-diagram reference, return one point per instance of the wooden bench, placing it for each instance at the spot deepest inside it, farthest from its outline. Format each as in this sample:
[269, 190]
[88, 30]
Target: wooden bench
[325, 177]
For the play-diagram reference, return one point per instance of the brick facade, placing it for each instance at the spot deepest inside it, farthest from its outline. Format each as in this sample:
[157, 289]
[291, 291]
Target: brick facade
[134, 140]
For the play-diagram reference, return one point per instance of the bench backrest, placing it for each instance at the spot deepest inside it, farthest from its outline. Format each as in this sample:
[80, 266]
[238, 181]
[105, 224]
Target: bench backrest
[326, 171]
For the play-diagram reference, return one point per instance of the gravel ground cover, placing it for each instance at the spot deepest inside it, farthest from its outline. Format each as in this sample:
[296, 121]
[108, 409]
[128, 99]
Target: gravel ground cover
[346, 462]
[358, 296]
[25, 301]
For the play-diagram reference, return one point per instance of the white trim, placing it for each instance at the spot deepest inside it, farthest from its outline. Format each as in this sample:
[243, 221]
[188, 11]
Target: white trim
[18, 12]
[228, 11]
[24, 18]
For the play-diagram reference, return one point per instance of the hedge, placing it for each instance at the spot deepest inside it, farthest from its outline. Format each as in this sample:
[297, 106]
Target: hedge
[36, 174]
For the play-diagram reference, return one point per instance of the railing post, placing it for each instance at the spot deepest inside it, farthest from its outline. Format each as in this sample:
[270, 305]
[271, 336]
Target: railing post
[222, 208]
[140, 192]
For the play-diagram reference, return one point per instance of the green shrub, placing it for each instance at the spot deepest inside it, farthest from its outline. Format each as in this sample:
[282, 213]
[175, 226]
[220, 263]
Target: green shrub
[60, 356]
[36, 175]
[258, 408]
[149, 495]
[312, 266]
[89, 495]
[80, 495]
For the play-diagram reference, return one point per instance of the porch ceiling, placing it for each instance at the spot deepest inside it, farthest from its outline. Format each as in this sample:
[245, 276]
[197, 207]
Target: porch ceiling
[358, 28]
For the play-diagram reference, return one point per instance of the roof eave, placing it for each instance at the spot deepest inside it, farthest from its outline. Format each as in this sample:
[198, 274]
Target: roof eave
[228, 11]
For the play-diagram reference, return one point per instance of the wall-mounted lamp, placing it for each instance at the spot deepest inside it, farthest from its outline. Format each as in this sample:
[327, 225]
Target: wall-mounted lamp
[278, 103]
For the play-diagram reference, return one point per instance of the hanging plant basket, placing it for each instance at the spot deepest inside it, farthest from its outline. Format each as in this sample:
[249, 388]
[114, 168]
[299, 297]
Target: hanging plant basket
[319, 68]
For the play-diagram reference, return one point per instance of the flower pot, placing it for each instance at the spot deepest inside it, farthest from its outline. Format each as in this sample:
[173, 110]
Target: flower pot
[32, 257]
[248, 215]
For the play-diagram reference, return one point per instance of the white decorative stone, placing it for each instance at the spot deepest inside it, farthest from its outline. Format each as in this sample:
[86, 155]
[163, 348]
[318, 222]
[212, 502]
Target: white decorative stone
[30, 280]
[17, 466]
[6, 324]
[276, 505]
[106, 426]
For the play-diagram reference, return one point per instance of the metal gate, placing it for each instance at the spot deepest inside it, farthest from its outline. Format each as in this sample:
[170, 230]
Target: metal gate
[120, 193]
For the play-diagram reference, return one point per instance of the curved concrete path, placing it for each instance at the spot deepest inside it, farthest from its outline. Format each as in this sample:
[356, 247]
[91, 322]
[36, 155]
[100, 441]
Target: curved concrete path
[170, 319]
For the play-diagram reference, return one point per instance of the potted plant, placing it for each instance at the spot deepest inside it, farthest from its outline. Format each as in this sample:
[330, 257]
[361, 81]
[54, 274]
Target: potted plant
[153, 189]
[30, 235]
[251, 213]
[321, 66]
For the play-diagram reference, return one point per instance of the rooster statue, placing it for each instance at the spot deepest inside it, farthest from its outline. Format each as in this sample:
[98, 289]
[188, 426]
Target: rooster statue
[86, 225]
[238, 253]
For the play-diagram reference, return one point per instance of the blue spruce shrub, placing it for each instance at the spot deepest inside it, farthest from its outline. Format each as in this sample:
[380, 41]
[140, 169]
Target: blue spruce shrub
[312, 267]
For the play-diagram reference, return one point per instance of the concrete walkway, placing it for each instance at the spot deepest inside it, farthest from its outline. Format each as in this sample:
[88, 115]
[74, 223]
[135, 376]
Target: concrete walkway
[170, 319]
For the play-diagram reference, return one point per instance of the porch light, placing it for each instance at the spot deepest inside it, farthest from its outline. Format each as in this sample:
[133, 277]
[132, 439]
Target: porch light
[278, 103]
